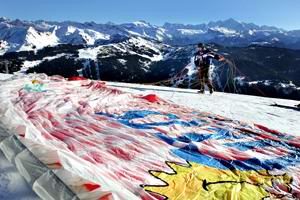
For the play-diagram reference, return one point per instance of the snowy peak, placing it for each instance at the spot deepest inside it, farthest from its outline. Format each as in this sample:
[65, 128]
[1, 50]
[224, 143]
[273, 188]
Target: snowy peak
[230, 24]
[142, 23]
[3, 19]
[38, 40]
[75, 35]
[145, 29]
[147, 50]
[225, 31]
[28, 35]
[3, 47]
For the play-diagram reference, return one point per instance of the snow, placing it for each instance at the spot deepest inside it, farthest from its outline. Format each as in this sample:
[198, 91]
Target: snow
[3, 47]
[5, 76]
[140, 42]
[136, 41]
[90, 36]
[70, 30]
[23, 35]
[269, 82]
[275, 39]
[122, 61]
[141, 24]
[161, 33]
[54, 57]
[155, 58]
[251, 32]
[89, 53]
[38, 40]
[253, 82]
[120, 47]
[133, 33]
[245, 108]
[224, 30]
[260, 43]
[190, 31]
[29, 64]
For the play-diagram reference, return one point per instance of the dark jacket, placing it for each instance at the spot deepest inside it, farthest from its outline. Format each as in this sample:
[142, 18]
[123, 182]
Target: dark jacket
[204, 58]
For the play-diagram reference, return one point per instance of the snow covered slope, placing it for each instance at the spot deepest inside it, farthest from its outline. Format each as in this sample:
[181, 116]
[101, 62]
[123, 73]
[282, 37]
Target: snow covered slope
[5, 76]
[234, 106]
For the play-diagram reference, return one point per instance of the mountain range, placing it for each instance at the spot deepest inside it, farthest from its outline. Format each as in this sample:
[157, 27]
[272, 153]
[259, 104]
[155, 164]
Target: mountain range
[18, 35]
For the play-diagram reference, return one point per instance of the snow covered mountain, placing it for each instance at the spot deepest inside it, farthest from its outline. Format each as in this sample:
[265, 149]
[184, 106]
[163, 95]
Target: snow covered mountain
[17, 35]
[134, 59]
[143, 53]
[256, 70]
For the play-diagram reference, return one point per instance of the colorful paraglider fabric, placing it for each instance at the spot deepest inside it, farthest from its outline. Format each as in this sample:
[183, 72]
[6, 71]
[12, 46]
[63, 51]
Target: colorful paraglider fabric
[107, 144]
[76, 78]
[35, 86]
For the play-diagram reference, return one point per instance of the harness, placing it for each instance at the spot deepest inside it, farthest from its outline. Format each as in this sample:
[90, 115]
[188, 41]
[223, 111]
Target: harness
[203, 59]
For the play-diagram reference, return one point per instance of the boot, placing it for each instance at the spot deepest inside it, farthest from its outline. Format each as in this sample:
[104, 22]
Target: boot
[201, 91]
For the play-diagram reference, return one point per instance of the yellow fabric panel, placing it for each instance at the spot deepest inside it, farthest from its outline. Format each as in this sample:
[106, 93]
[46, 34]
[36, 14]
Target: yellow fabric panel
[204, 182]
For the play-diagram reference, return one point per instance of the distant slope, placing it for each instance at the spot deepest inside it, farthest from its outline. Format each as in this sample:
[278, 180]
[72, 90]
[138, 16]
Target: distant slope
[256, 70]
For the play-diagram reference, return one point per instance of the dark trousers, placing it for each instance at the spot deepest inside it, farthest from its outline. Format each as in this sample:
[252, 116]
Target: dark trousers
[204, 78]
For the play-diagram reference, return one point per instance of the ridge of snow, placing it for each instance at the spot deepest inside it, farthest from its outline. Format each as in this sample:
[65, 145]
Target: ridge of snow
[5, 76]
[29, 64]
[38, 40]
[142, 24]
[89, 35]
[224, 30]
[140, 42]
[89, 53]
[122, 61]
[190, 31]
[251, 32]
[4, 46]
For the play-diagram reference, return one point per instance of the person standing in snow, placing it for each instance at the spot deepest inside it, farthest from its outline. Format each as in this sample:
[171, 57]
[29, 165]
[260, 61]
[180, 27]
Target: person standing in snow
[202, 59]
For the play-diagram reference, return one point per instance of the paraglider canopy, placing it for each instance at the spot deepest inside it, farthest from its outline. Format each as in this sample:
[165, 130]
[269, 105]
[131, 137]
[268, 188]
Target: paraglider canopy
[76, 78]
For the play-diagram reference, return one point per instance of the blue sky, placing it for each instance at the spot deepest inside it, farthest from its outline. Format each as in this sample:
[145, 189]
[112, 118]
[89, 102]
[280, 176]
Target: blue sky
[281, 13]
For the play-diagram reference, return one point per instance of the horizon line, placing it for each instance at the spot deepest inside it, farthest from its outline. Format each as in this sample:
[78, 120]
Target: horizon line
[142, 20]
